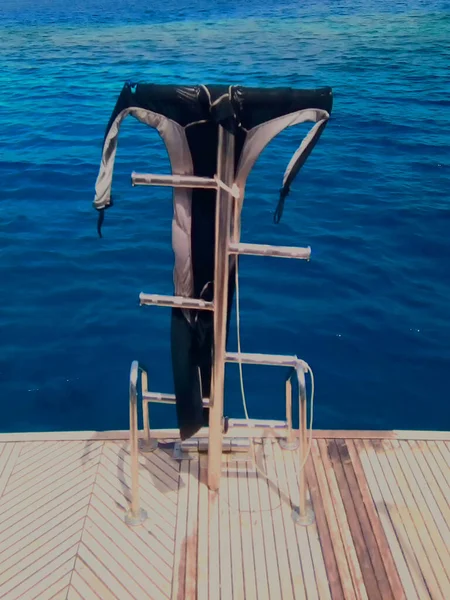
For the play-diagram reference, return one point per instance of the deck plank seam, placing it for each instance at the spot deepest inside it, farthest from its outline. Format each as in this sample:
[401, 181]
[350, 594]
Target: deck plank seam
[10, 465]
[353, 559]
[65, 451]
[304, 549]
[324, 533]
[105, 493]
[101, 537]
[390, 519]
[367, 571]
[439, 459]
[375, 521]
[179, 559]
[137, 551]
[432, 481]
[74, 587]
[83, 563]
[269, 531]
[26, 512]
[397, 466]
[376, 560]
[338, 541]
[148, 461]
[257, 530]
[27, 488]
[401, 528]
[429, 501]
[418, 521]
[143, 490]
[286, 506]
[148, 465]
[87, 509]
[89, 541]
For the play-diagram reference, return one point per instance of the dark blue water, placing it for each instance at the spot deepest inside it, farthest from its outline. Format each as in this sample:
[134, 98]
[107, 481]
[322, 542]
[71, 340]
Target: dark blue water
[370, 312]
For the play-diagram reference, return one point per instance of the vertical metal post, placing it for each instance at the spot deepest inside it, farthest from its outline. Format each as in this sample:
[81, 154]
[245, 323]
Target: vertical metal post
[135, 515]
[289, 438]
[303, 448]
[289, 443]
[225, 173]
[147, 444]
[145, 417]
[304, 515]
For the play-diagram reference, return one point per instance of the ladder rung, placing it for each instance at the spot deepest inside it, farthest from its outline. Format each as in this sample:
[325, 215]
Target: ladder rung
[228, 445]
[175, 301]
[275, 360]
[258, 428]
[263, 423]
[266, 250]
[184, 181]
[165, 398]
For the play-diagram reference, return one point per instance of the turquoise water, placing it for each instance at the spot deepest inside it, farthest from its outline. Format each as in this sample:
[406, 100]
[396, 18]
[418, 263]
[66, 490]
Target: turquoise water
[370, 312]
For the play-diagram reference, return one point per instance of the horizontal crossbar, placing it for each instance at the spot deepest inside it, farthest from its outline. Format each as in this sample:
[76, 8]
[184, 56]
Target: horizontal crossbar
[180, 181]
[165, 398]
[174, 301]
[228, 445]
[259, 423]
[266, 250]
[276, 360]
[256, 428]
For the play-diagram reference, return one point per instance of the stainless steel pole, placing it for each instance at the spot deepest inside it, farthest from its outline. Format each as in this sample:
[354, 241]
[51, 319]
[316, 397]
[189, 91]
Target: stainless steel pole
[290, 442]
[304, 515]
[135, 514]
[303, 444]
[225, 173]
[147, 444]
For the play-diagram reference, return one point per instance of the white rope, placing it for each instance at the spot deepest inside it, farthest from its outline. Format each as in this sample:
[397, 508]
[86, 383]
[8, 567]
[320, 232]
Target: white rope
[244, 401]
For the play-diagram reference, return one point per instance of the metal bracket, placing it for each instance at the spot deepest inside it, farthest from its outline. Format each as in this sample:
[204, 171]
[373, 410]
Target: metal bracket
[235, 448]
[306, 519]
[135, 520]
[148, 445]
[285, 445]
[180, 454]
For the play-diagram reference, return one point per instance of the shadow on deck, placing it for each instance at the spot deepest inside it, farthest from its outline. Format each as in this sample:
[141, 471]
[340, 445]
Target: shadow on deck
[381, 527]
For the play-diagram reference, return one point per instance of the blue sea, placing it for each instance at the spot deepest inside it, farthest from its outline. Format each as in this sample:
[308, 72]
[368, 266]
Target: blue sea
[370, 312]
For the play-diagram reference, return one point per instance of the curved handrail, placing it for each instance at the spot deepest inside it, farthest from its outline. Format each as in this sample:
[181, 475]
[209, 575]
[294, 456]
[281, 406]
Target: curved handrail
[135, 515]
[290, 443]
[134, 373]
[302, 448]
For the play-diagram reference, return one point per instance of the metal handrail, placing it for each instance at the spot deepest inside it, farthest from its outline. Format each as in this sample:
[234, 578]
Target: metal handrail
[304, 515]
[290, 442]
[135, 514]
[268, 250]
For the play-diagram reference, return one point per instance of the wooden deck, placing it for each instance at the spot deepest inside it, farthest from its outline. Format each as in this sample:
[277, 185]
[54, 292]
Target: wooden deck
[382, 528]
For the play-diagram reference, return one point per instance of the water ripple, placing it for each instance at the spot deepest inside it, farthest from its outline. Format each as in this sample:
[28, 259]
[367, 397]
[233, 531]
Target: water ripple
[370, 312]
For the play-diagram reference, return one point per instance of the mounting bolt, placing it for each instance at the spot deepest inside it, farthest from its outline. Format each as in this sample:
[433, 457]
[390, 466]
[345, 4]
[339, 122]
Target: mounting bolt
[148, 445]
[306, 519]
[133, 520]
[288, 445]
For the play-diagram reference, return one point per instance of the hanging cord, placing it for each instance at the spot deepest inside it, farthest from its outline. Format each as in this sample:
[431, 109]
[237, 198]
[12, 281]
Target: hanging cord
[244, 401]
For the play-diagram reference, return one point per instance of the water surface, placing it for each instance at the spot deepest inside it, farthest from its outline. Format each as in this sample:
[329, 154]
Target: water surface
[370, 312]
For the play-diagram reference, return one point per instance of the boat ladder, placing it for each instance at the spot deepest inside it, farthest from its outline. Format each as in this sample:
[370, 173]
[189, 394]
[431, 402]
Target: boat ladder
[222, 434]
